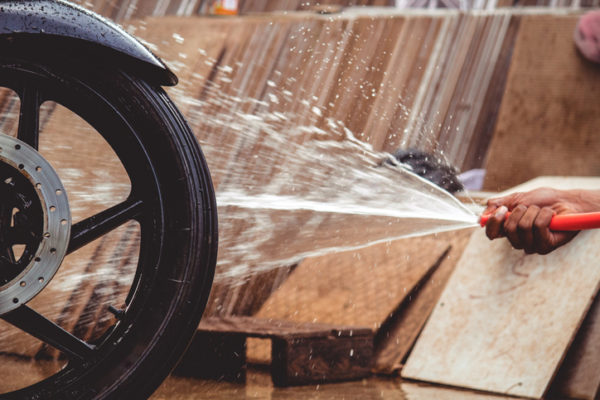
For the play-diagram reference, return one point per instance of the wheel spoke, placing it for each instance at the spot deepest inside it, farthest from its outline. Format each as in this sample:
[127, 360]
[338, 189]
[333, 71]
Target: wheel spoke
[10, 255]
[38, 326]
[29, 116]
[97, 225]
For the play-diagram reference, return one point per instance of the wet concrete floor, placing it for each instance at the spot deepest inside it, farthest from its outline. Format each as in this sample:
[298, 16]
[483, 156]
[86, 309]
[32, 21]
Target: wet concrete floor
[258, 386]
[19, 372]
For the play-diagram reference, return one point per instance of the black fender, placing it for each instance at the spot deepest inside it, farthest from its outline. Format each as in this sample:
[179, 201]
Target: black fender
[62, 30]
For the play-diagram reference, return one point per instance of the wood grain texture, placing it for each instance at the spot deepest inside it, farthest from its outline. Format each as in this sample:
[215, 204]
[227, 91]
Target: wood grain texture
[270, 328]
[548, 120]
[301, 361]
[125, 10]
[579, 374]
[506, 319]
[398, 333]
[360, 287]
[302, 353]
[415, 391]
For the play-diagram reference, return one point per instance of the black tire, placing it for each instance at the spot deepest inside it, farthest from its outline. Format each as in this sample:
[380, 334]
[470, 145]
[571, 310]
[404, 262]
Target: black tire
[177, 218]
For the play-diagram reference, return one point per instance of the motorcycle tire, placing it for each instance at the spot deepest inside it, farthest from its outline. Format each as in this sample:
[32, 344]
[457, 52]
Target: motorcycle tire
[171, 198]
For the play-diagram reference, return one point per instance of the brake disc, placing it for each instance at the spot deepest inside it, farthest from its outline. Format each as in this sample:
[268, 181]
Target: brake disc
[35, 223]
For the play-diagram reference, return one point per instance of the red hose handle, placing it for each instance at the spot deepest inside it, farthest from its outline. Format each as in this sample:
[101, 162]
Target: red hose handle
[566, 222]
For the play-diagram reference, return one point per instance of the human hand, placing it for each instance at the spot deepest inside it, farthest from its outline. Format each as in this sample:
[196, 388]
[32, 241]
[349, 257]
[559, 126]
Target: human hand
[527, 227]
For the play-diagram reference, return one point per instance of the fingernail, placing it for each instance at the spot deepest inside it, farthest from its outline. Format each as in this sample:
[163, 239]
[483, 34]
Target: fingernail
[502, 210]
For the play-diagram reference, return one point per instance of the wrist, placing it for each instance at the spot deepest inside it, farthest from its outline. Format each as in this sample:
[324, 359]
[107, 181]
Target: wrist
[582, 201]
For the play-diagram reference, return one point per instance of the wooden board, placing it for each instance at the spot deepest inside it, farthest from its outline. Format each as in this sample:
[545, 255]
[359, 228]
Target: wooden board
[360, 287]
[270, 328]
[415, 391]
[301, 353]
[398, 333]
[557, 182]
[579, 375]
[549, 117]
[506, 319]
[122, 10]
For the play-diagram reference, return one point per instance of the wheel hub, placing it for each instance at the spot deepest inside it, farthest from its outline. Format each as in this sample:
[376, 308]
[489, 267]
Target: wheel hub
[35, 223]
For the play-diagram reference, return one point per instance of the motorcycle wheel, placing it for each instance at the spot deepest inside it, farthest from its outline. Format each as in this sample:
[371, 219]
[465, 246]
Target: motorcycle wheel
[172, 200]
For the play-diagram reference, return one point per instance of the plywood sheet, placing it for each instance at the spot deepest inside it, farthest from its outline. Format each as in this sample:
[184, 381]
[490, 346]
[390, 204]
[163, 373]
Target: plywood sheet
[506, 319]
[397, 335]
[579, 375]
[548, 120]
[360, 287]
[557, 182]
[415, 391]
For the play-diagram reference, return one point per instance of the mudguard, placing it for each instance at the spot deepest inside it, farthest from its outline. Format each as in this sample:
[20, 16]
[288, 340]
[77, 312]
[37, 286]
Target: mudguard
[40, 23]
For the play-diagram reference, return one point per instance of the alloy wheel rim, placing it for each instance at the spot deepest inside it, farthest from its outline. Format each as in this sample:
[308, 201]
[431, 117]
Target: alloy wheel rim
[35, 216]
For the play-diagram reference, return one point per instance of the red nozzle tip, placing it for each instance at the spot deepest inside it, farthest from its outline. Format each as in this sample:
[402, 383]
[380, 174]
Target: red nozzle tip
[483, 220]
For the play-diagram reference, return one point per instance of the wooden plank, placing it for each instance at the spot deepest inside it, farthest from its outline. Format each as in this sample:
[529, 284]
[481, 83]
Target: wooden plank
[579, 376]
[358, 287]
[503, 323]
[422, 392]
[301, 361]
[549, 107]
[484, 43]
[301, 353]
[395, 96]
[269, 328]
[398, 333]
[486, 121]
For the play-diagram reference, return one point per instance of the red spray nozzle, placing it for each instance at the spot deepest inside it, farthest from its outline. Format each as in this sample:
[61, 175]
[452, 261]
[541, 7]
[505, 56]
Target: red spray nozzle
[566, 222]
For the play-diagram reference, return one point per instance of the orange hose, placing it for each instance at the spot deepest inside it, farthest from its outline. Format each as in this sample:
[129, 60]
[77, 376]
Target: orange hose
[565, 222]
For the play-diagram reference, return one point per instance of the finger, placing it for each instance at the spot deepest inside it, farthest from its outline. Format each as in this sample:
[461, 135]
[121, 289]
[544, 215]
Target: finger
[494, 227]
[490, 209]
[494, 204]
[525, 229]
[560, 238]
[511, 226]
[543, 237]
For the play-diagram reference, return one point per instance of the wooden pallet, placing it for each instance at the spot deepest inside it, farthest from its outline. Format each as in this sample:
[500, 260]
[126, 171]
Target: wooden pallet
[301, 353]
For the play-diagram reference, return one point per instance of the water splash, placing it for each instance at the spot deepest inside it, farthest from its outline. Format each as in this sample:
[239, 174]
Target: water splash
[294, 183]
[292, 180]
